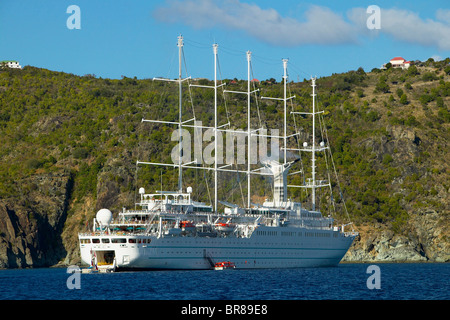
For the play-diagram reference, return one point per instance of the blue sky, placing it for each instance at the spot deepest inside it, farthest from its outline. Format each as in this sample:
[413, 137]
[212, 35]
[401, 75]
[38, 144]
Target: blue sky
[138, 38]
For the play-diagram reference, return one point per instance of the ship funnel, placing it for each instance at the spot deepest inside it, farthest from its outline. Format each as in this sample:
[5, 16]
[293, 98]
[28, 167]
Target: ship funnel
[279, 171]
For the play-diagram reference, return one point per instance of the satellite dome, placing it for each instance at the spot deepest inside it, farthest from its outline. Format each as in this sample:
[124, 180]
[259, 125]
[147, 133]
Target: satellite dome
[189, 189]
[141, 191]
[104, 217]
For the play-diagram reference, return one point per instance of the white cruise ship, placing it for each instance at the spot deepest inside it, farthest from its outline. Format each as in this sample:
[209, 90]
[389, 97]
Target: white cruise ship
[172, 231]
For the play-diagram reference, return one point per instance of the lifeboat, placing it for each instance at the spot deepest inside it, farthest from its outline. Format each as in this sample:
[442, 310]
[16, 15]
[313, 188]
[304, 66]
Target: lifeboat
[225, 227]
[187, 225]
[224, 265]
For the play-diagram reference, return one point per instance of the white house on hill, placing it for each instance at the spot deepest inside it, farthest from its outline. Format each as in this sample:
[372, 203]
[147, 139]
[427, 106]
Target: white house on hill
[398, 62]
[11, 64]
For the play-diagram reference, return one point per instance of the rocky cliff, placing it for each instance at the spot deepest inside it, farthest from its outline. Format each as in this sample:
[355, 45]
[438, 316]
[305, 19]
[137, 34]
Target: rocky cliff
[426, 240]
[31, 225]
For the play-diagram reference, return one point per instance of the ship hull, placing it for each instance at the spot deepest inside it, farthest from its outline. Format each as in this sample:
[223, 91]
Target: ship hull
[267, 247]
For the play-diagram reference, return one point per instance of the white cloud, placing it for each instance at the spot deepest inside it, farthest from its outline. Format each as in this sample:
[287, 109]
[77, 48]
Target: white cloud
[443, 15]
[407, 26]
[321, 25]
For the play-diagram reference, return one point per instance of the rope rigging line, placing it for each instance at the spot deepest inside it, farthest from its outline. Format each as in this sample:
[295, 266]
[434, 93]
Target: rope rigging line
[189, 83]
[229, 125]
[256, 96]
[223, 93]
[297, 140]
[335, 173]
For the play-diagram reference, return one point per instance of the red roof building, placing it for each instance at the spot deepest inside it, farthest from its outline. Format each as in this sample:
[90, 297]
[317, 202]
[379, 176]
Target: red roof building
[399, 62]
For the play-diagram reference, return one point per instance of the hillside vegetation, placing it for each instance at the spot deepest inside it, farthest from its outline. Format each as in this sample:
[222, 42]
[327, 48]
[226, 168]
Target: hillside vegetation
[69, 145]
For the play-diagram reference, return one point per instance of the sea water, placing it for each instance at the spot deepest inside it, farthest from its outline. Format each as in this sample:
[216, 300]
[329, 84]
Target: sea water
[425, 281]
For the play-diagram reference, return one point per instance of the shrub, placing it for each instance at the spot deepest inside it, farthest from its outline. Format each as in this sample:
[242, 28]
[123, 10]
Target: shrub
[425, 98]
[387, 158]
[412, 71]
[429, 76]
[80, 153]
[404, 99]
[34, 163]
[411, 121]
[382, 86]
[372, 116]
[447, 70]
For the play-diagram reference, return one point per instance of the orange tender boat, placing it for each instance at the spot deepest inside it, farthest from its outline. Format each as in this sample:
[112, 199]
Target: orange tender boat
[224, 265]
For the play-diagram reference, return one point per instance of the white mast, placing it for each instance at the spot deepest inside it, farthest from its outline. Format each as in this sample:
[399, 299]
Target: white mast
[215, 46]
[312, 184]
[285, 61]
[249, 147]
[249, 59]
[281, 184]
[180, 168]
[285, 99]
[313, 150]
[180, 123]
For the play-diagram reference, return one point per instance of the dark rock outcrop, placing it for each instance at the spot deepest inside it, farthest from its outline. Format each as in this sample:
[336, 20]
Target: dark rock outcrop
[31, 227]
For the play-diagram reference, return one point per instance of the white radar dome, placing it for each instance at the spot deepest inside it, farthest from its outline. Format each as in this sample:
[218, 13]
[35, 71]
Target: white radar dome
[141, 191]
[104, 217]
[189, 189]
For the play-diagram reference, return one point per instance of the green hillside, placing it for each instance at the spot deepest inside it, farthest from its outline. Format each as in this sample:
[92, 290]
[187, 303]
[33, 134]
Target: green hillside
[69, 145]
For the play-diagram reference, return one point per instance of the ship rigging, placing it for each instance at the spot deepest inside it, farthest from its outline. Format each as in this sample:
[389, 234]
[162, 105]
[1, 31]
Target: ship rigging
[170, 230]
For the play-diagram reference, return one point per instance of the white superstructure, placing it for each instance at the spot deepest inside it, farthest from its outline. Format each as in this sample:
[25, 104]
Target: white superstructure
[172, 231]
